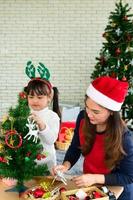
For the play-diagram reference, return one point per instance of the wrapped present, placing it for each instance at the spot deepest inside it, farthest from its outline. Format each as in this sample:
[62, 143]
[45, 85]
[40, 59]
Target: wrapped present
[65, 135]
[84, 194]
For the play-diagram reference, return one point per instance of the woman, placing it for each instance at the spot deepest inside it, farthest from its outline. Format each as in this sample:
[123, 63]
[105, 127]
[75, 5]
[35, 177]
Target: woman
[103, 139]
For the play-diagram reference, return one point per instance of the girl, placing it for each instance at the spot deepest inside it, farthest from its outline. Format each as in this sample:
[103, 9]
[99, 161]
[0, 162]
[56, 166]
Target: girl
[40, 93]
[103, 139]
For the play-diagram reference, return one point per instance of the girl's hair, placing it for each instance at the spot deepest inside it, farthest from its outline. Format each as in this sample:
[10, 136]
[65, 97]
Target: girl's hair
[114, 151]
[55, 102]
[43, 87]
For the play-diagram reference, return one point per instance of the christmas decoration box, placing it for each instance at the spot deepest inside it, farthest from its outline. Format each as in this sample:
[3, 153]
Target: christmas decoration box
[44, 190]
[84, 194]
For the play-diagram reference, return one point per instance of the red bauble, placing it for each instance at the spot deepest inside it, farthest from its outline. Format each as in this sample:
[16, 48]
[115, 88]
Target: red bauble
[62, 189]
[102, 60]
[39, 156]
[117, 51]
[38, 193]
[22, 95]
[28, 154]
[129, 37]
[124, 78]
[96, 195]
[113, 75]
[2, 159]
[125, 18]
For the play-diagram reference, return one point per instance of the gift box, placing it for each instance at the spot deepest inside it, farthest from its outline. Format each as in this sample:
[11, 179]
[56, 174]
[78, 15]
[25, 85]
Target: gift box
[65, 135]
[91, 192]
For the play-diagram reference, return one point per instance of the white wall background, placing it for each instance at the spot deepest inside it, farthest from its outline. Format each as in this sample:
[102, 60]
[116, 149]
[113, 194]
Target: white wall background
[66, 35]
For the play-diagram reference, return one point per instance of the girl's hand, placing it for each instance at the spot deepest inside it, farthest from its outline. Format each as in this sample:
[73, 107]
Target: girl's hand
[38, 121]
[86, 180]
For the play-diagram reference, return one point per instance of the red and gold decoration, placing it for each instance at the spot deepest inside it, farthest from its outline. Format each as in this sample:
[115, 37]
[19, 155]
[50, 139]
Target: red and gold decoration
[65, 135]
[45, 190]
[13, 139]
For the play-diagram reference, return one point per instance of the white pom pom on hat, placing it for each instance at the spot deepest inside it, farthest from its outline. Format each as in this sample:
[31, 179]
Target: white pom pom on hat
[108, 92]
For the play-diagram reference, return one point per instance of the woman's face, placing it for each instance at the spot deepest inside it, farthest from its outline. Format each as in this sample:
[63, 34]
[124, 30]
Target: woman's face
[97, 114]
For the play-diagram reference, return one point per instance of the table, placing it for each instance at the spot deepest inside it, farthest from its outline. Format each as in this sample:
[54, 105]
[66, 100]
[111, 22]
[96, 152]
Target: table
[14, 196]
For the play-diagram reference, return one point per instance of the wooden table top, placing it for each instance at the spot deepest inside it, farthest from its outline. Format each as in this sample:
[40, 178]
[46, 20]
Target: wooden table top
[14, 195]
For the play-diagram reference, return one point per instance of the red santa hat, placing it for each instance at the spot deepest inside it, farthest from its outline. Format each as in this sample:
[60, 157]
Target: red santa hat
[108, 92]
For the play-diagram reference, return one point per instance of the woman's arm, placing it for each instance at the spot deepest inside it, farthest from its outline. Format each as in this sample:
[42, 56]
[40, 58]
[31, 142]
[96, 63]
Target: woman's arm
[73, 153]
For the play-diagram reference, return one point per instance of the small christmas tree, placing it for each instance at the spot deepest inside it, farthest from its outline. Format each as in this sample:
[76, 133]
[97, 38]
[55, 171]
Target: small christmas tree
[18, 151]
[116, 55]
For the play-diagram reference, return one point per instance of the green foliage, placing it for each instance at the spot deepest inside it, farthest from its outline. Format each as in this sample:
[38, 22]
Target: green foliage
[116, 55]
[19, 163]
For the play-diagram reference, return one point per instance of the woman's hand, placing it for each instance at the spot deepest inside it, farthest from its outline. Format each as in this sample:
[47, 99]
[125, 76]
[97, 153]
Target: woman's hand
[63, 168]
[86, 180]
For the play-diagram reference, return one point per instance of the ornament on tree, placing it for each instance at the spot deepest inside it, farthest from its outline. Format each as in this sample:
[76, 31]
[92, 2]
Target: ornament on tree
[124, 78]
[1, 147]
[105, 35]
[113, 24]
[2, 159]
[40, 156]
[126, 67]
[102, 60]
[27, 159]
[118, 32]
[113, 75]
[125, 18]
[117, 51]
[33, 130]
[22, 95]
[131, 62]
[128, 37]
[11, 138]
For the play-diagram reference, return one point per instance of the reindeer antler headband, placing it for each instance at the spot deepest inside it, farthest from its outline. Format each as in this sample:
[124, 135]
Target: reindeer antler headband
[42, 70]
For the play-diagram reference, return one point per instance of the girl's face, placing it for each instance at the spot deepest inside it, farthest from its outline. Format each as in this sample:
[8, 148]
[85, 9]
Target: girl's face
[38, 102]
[97, 114]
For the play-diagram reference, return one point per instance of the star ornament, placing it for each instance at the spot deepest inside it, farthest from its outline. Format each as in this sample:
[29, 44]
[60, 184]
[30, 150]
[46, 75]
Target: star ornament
[118, 32]
[131, 62]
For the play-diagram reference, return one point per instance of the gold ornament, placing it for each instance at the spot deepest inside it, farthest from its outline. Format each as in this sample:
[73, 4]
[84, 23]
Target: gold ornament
[113, 24]
[126, 67]
[1, 147]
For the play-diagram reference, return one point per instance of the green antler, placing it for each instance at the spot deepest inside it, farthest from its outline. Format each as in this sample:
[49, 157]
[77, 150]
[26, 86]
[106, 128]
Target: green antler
[43, 71]
[30, 70]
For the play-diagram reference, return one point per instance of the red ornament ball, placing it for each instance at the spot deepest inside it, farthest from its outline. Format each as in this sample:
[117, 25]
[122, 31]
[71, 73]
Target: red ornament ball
[62, 189]
[38, 193]
[118, 51]
[124, 78]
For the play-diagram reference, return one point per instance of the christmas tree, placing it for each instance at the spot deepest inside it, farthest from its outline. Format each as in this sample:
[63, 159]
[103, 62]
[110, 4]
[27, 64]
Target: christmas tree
[116, 55]
[19, 149]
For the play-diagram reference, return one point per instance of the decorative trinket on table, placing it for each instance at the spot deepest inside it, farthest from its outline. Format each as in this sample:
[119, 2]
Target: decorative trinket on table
[44, 190]
[89, 193]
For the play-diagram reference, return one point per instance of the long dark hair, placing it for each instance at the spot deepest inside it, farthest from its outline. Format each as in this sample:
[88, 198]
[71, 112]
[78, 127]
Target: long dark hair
[113, 146]
[43, 87]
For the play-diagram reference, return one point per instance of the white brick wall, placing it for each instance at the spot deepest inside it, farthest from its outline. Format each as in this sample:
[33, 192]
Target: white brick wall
[66, 35]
